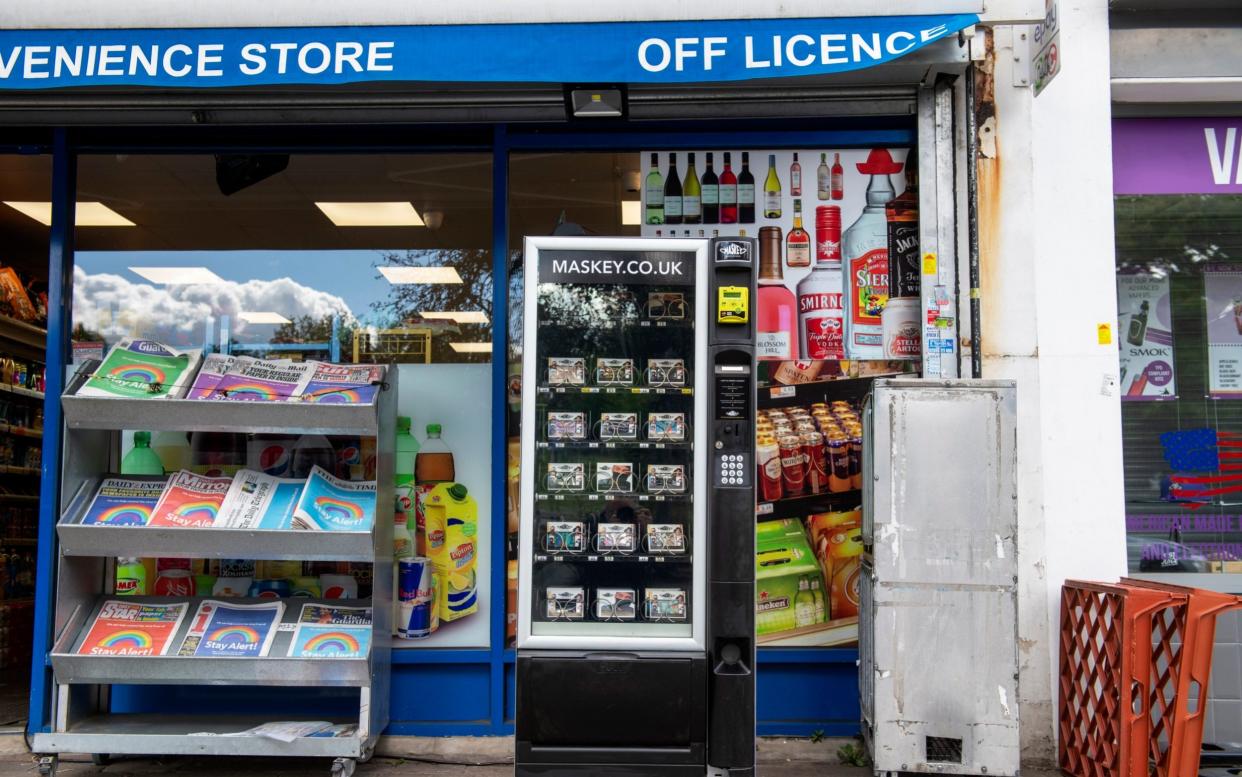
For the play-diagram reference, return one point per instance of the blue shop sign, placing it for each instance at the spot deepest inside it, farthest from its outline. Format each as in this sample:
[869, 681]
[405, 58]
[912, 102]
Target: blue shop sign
[621, 52]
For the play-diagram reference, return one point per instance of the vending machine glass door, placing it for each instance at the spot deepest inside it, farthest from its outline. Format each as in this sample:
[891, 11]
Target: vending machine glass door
[614, 477]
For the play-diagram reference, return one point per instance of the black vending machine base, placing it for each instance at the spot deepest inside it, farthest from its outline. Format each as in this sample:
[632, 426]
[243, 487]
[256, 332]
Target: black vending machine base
[611, 713]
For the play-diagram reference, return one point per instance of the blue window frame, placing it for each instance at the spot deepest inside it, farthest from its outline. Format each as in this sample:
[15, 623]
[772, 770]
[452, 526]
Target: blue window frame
[472, 689]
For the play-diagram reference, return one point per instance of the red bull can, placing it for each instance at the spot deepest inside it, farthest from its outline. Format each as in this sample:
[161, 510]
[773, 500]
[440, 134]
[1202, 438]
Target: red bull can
[415, 598]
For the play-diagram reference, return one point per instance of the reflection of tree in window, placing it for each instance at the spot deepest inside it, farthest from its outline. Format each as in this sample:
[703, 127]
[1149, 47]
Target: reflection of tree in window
[407, 301]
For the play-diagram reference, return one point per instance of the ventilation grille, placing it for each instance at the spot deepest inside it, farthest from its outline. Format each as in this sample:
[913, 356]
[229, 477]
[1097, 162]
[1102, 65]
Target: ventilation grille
[945, 750]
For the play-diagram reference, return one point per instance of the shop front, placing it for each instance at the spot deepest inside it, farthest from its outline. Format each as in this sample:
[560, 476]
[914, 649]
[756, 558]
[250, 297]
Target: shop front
[361, 195]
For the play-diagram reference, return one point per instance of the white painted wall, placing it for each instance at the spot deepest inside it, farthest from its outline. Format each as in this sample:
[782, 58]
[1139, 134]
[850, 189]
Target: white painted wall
[1049, 282]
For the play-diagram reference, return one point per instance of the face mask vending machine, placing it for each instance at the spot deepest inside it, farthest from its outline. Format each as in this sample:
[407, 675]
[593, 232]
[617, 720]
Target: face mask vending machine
[635, 650]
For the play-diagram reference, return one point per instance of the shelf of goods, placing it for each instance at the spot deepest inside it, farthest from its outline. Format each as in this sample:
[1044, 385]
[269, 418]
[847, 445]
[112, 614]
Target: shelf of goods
[81, 720]
[29, 339]
[807, 504]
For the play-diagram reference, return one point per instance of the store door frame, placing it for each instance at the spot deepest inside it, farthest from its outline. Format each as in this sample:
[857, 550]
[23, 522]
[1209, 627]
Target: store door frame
[787, 672]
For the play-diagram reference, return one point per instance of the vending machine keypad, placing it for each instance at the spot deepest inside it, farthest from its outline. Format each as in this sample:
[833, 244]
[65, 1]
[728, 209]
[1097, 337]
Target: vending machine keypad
[733, 469]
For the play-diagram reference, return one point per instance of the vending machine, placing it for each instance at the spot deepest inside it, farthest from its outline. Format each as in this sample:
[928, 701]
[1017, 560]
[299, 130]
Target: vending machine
[635, 648]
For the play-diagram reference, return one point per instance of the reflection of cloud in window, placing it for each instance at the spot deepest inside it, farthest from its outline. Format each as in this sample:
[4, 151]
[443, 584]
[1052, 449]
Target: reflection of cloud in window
[114, 306]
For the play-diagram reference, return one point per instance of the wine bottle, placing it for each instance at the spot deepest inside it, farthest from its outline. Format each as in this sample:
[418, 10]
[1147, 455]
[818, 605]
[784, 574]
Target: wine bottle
[672, 193]
[710, 194]
[838, 178]
[824, 178]
[728, 192]
[745, 192]
[691, 201]
[654, 192]
[795, 177]
[772, 191]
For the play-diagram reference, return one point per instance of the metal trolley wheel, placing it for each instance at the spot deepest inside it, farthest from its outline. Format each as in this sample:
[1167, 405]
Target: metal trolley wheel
[101, 759]
[343, 767]
[48, 764]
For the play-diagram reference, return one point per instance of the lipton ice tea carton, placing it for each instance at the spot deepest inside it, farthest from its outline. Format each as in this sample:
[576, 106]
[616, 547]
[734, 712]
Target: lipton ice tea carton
[451, 519]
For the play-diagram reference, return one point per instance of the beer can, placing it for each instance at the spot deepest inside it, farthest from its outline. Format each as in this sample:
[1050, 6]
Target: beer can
[816, 462]
[175, 582]
[768, 458]
[415, 597]
[793, 466]
[855, 433]
[838, 462]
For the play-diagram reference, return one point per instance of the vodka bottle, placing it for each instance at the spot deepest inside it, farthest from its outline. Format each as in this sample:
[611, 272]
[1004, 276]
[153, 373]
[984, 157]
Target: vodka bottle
[865, 250]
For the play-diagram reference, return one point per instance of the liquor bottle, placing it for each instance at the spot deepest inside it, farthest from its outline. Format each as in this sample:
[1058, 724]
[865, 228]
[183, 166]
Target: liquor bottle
[746, 192]
[772, 191]
[1138, 324]
[777, 308]
[691, 202]
[902, 334]
[838, 178]
[795, 177]
[798, 242]
[821, 299]
[823, 178]
[672, 193]
[728, 192]
[865, 248]
[654, 192]
[710, 194]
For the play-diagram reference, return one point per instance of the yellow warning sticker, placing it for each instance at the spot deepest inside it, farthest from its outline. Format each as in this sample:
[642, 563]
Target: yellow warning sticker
[1104, 333]
[929, 264]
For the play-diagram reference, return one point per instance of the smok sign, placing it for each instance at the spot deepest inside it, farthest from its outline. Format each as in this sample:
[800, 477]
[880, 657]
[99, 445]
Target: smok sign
[1177, 156]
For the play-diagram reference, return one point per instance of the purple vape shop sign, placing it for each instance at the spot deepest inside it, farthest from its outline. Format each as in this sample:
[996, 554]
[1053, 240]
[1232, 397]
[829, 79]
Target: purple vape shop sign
[1177, 156]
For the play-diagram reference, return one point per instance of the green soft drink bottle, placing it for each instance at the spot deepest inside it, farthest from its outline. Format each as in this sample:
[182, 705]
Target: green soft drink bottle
[141, 460]
[131, 577]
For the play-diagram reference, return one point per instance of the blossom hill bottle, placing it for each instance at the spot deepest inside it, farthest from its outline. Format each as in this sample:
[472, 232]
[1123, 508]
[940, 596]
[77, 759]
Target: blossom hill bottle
[672, 193]
[691, 199]
[710, 194]
[728, 192]
[772, 191]
[746, 192]
[654, 192]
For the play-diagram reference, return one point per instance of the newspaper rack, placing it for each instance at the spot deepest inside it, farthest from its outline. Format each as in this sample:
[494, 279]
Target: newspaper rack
[82, 721]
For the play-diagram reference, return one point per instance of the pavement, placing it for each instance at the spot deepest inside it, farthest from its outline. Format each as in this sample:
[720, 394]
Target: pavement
[418, 757]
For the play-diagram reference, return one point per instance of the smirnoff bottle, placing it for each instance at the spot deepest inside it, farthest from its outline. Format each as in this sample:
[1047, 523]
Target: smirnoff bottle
[821, 314]
[865, 248]
[776, 309]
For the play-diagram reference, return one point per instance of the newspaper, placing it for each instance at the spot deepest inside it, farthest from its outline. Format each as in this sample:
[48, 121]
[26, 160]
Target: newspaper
[258, 501]
[225, 630]
[331, 504]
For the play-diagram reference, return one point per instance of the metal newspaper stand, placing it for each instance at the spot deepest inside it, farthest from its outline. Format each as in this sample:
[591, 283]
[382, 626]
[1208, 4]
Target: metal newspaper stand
[83, 720]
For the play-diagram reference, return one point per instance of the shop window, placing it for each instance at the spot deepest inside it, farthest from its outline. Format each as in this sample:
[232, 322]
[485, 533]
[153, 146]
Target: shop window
[1179, 291]
[374, 258]
[25, 192]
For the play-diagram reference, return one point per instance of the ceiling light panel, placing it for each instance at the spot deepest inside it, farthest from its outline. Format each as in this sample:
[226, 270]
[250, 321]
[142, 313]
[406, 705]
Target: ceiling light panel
[177, 276]
[397, 275]
[86, 214]
[371, 214]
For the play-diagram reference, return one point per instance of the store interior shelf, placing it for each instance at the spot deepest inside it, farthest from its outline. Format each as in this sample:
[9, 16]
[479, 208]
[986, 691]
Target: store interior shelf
[214, 542]
[608, 558]
[602, 325]
[5, 469]
[274, 669]
[592, 445]
[19, 497]
[220, 416]
[159, 734]
[683, 390]
[570, 496]
[802, 506]
[21, 431]
[28, 335]
[21, 392]
[843, 387]
[19, 541]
